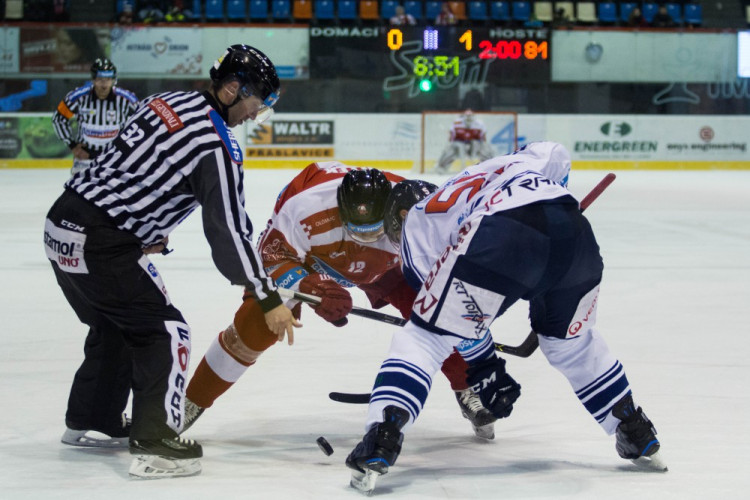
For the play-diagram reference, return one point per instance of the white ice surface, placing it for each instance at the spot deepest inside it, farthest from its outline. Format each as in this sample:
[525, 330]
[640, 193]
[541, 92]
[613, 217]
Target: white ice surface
[675, 309]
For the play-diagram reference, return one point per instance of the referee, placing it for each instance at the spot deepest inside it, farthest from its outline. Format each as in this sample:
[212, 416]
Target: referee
[176, 153]
[100, 110]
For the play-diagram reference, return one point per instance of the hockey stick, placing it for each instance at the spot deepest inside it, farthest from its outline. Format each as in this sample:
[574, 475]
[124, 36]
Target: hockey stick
[523, 350]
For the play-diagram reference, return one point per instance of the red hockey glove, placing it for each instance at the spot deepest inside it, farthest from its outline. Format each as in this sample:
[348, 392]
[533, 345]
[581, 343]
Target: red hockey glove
[335, 301]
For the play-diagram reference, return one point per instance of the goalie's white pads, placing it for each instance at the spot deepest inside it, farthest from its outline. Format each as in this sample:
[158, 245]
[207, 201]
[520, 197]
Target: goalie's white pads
[92, 439]
[158, 467]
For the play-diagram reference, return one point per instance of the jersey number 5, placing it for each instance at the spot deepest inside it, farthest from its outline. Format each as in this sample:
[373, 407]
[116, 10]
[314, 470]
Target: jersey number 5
[436, 205]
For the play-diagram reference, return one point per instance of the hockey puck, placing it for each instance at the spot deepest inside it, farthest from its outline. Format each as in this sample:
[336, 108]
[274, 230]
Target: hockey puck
[325, 446]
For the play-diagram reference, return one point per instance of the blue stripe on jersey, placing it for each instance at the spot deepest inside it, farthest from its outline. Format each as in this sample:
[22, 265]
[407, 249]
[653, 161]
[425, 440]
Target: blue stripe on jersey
[404, 383]
[417, 372]
[602, 404]
[472, 350]
[227, 137]
[395, 397]
[126, 94]
[584, 391]
[601, 397]
[324, 268]
[80, 92]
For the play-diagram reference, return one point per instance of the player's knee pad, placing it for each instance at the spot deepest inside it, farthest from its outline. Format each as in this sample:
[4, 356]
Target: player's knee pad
[232, 343]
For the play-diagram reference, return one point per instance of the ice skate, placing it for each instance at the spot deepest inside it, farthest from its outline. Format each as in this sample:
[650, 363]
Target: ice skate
[636, 436]
[378, 450]
[165, 458]
[98, 438]
[482, 420]
[192, 413]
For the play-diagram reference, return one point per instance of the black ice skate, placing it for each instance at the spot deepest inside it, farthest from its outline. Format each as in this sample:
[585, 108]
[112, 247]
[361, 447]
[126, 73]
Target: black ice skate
[378, 450]
[192, 412]
[482, 420]
[166, 457]
[636, 436]
[115, 436]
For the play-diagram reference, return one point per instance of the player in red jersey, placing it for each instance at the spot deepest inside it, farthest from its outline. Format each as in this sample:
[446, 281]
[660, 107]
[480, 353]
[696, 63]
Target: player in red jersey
[325, 235]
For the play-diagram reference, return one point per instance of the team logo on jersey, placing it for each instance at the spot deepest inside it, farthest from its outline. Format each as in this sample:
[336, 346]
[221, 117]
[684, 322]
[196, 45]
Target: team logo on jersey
[467, 310]
[111, 116]
[167, 114]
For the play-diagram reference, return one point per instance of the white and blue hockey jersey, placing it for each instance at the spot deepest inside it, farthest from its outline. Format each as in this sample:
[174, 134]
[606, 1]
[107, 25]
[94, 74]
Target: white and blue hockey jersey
[537, 172]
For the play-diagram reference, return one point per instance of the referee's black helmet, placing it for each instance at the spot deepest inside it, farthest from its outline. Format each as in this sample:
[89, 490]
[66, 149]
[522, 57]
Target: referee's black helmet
[252, 68]
[103, 68]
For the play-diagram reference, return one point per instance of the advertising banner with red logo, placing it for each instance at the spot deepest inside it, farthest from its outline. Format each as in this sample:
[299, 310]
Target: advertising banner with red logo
[162, 51]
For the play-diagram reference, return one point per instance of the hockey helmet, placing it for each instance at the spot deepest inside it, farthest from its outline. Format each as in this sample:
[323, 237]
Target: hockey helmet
[361, 199]
[253, 69]
[469, 117]
[403, 196]
[103, 68]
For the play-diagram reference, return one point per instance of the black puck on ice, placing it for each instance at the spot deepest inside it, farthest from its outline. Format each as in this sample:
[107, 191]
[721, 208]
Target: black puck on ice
[325, 446]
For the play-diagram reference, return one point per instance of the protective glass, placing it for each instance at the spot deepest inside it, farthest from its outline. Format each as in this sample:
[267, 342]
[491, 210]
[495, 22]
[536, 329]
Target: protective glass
[365, 233]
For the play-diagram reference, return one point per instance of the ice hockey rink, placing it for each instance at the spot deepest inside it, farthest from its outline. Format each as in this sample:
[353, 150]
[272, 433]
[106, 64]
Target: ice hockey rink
[674, 309]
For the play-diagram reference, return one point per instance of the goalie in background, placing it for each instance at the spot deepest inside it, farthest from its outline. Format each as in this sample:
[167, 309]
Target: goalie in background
[468, 140]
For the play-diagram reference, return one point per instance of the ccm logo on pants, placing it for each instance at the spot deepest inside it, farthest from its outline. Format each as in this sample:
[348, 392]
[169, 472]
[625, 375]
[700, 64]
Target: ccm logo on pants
[65, 248]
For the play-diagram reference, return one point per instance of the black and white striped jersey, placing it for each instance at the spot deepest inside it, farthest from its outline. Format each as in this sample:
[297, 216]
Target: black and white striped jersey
[175, 153]
[99, 120]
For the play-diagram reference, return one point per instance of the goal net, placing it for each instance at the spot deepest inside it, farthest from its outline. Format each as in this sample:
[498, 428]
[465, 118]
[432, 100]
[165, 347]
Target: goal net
[502, 136]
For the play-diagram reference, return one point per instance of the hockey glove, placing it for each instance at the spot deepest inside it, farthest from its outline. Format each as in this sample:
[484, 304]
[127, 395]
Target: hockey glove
[335, 301]
[496, 389]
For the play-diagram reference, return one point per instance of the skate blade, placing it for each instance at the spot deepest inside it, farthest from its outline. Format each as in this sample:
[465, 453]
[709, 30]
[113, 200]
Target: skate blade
[156, 467]
[485, 431]
[652, 463]
[92, 439]
[364, 482]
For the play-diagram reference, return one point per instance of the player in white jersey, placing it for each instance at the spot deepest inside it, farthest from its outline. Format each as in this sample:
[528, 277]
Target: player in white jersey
[325, 235]
[503, 230]
[468, 140]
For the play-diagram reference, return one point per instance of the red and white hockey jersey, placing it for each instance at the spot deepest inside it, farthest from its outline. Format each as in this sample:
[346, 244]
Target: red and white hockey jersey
[305, 234]
[464, 130]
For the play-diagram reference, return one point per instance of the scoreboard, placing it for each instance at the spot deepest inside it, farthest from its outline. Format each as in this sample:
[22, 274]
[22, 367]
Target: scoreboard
[444, 55]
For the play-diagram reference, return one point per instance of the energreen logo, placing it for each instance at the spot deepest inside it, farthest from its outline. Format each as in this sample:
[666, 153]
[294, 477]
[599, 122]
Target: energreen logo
[620, 129]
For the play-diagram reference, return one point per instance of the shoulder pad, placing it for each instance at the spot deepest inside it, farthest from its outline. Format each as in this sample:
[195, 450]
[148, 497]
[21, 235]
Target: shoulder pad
[227, 137]
[76, 94]
[130, 96]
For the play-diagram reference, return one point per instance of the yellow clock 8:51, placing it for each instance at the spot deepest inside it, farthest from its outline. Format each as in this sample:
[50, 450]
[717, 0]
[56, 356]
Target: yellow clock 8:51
[437, 65]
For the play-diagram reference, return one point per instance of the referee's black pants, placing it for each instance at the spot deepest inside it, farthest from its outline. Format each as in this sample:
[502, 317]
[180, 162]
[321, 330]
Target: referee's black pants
[137, 339]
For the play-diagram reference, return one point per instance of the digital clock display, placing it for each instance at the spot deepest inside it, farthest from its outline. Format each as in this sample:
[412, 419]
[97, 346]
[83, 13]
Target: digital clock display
[436, 66]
